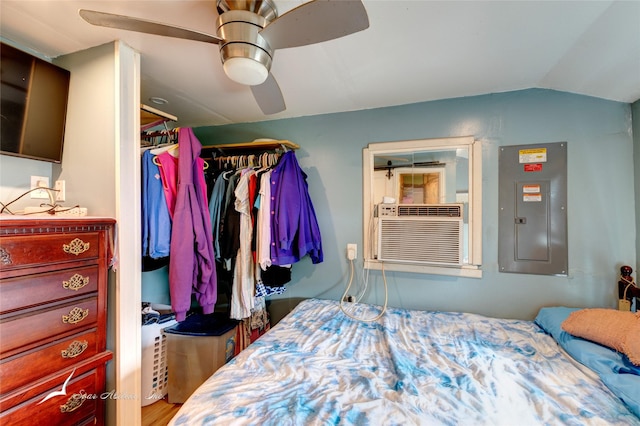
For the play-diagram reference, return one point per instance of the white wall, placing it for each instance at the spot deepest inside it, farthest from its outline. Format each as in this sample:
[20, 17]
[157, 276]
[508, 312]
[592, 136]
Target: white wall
[88, 162]
[101, 168]
[15, 180]
[128, 325]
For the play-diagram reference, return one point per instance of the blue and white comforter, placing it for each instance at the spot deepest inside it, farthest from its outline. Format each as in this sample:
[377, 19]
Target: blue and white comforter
[319, 367]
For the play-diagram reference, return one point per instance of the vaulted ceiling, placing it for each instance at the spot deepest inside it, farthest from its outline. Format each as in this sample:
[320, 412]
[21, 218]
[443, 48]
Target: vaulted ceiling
[413, 51]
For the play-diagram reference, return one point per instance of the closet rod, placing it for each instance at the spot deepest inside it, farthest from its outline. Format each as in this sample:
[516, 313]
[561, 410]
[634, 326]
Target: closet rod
[260, 144]
[170, 132]
[161, 114]
[151, 117]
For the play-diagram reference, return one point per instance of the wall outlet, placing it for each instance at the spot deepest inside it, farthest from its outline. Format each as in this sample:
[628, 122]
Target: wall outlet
[352, 251]
[40, 182]
[60, 188]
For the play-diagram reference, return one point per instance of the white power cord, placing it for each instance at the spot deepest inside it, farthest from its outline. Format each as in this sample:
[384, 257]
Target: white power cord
[346, 291]
[53, 205]
[629, 284]
[624, 304]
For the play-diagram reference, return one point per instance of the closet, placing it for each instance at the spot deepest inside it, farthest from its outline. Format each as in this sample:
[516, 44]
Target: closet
[246, 187]
[236, 178]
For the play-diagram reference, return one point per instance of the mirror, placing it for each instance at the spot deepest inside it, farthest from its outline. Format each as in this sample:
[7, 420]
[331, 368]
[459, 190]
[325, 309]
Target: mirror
[422, 177]
[420, 186]
[420, 205]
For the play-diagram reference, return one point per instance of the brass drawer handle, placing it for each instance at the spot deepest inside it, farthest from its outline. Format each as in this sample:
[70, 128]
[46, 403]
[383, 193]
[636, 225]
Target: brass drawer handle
[75, 316]
[76, 247]
[75, 348]
[72, 404]
[76, 282]
[5, 257]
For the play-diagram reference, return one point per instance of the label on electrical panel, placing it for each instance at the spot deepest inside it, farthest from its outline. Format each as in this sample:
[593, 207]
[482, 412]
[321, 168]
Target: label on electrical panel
[534, 167]
[534, 155]
[532, 198]
[531, 193]
[531, 188]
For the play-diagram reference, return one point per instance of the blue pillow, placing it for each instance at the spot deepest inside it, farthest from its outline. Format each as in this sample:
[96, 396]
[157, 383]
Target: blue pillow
[614, 368]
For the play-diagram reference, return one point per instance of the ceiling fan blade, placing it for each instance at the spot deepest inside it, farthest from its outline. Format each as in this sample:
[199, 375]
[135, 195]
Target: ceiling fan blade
[129, 23]
[315, 22]
[268, 96]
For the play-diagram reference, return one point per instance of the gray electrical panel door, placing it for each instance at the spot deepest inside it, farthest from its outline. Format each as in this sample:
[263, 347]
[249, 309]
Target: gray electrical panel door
[532, 221]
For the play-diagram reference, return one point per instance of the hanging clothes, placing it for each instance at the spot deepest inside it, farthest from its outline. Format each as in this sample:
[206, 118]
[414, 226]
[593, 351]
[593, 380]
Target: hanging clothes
[263, 223]
[230, 232]
[156, 221]
[294, 226]
[259, 198]
[270, 279]
[243, 291]
[168, 167]
[215, 210]
[192, 263]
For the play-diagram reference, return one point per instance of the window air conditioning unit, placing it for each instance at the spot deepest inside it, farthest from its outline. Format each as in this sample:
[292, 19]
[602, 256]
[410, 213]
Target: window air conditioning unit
[421, 233]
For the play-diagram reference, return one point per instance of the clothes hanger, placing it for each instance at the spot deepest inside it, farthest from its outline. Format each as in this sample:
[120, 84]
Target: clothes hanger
[162, 150]
[166, 148]
[170, 149]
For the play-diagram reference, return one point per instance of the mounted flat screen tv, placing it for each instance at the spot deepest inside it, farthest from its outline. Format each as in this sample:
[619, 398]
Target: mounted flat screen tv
[34, 96]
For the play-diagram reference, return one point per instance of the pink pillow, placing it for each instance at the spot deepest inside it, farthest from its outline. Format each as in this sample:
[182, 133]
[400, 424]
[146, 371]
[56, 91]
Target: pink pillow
[619, 330]
[631, 346]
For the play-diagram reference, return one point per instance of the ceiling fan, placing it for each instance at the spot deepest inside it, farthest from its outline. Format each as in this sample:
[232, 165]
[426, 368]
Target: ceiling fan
[249, 32]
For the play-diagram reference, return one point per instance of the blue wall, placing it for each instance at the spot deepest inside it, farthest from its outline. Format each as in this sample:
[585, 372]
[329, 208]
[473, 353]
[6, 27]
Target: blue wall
[601, 203]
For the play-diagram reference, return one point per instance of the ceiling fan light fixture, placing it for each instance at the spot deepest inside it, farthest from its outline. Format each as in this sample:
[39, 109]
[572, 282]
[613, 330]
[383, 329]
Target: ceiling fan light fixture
[249, 32]
[245, 71]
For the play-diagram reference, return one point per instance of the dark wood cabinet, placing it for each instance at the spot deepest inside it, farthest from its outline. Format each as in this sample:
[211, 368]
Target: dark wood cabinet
[53, 316]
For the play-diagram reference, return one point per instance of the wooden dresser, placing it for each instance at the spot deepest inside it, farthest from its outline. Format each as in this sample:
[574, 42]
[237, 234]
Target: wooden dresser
[53, 316]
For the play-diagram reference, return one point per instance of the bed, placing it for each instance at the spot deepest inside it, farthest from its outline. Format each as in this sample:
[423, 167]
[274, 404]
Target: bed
[317, 366]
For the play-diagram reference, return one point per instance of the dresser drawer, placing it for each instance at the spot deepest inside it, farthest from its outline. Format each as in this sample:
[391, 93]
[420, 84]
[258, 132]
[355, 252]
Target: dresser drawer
[44, 360]
[32, 250]
[81, 402]
[37, 289]
[39, 325]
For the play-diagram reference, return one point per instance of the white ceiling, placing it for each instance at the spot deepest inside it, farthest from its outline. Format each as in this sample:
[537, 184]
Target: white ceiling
[413, 51]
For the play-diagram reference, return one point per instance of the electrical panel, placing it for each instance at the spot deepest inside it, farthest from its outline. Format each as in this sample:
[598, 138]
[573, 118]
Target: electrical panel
[532, 221]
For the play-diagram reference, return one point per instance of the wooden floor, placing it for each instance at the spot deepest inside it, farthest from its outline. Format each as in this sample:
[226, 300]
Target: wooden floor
[159, 413]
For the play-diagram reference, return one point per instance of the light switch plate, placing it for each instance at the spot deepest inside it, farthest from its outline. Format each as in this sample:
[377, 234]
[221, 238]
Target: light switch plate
[61, 193]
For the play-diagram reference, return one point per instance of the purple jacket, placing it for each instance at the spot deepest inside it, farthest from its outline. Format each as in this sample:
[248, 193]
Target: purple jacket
[192, 262]
[294, 226]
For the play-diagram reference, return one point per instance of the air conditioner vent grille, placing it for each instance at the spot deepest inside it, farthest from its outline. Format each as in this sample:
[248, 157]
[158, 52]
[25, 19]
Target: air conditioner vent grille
[420, 240]
[430, 210]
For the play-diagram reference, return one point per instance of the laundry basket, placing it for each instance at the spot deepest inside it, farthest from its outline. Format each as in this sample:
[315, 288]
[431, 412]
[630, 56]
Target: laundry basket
[155, 368]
